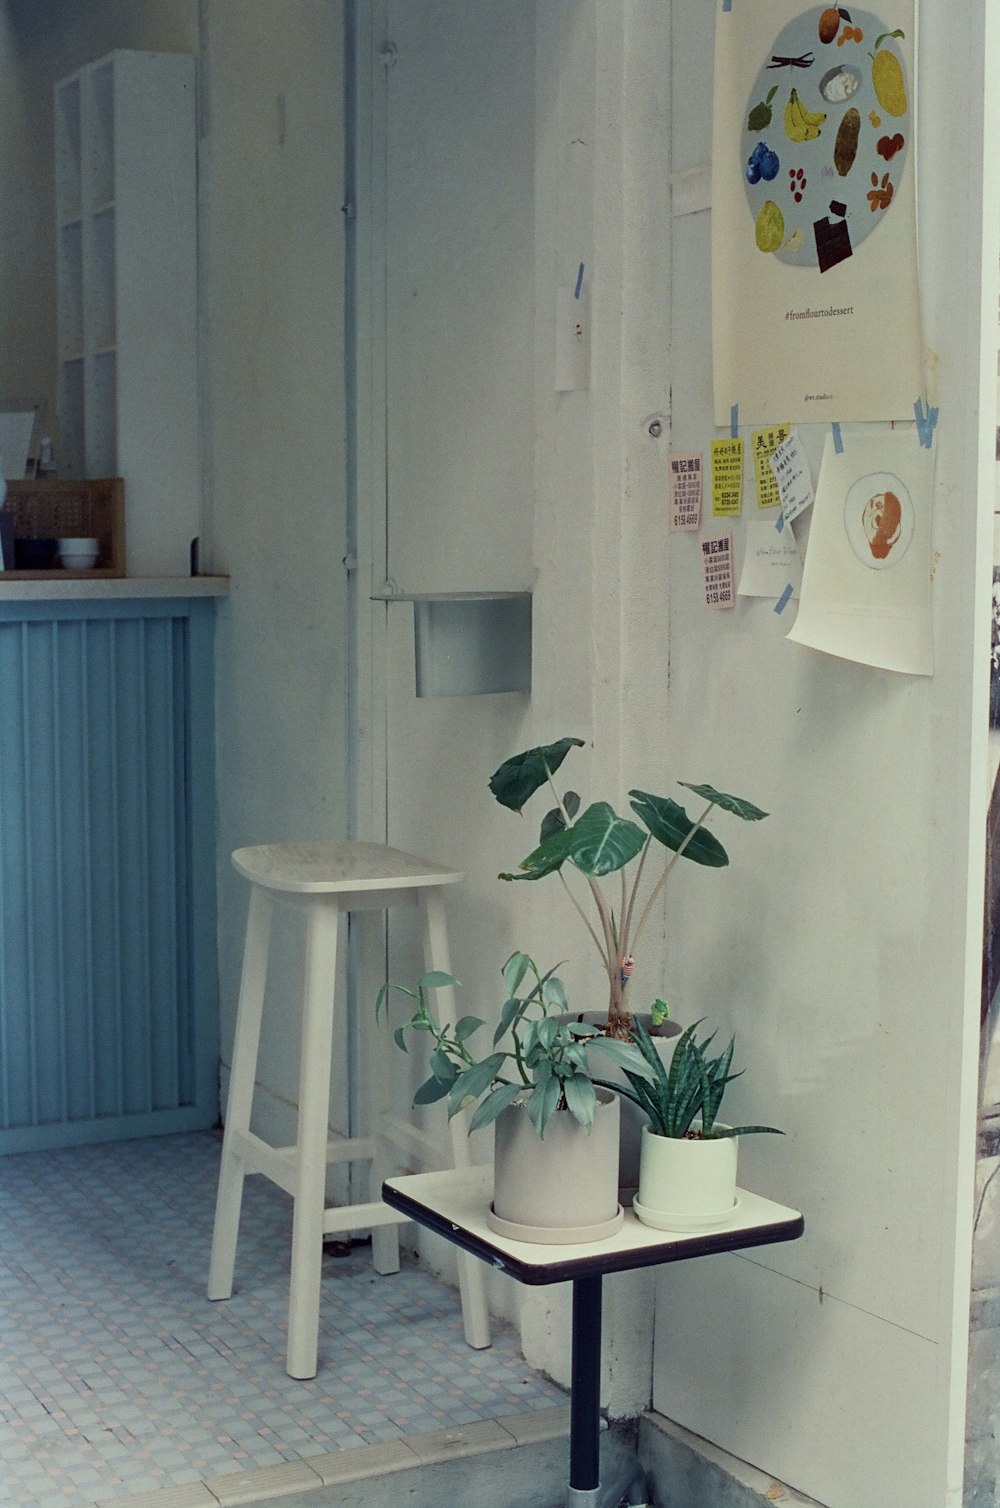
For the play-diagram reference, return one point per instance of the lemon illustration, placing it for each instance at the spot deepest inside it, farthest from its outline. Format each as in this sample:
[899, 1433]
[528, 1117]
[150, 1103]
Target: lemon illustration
[769, 231]
[888, 82]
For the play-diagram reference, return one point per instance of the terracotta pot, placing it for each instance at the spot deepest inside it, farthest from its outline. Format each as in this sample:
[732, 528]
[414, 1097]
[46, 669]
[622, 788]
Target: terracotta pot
[561, 1188]
[686, 1184]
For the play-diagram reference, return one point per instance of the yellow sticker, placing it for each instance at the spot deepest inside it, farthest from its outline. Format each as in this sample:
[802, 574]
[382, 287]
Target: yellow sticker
[763, 444]
[727, 477]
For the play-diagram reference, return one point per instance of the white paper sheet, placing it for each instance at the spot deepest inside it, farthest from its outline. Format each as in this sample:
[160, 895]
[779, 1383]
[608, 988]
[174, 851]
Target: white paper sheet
[771, 563]
[793, 477]
[866, 589]
[815, 305]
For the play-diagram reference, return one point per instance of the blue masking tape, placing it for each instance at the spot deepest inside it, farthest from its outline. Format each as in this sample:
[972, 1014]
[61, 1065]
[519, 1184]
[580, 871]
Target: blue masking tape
[838, 439]
[779, 522]
[784, 599]
[734, 421]
[727, 5]
[579, 282]
[926, 422]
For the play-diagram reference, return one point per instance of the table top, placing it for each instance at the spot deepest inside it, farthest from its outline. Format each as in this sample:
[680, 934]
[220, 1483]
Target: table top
[454, 1204]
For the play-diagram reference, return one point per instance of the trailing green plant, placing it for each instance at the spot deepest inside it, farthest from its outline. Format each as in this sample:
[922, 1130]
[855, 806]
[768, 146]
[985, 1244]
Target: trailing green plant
[693, 1087]
[598, 842]
[546, 1061]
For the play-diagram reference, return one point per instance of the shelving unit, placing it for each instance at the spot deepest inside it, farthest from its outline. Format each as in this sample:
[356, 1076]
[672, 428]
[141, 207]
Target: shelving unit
[125, 160]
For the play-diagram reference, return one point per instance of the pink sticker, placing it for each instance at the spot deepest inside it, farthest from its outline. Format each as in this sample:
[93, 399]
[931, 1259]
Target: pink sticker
[685, 490]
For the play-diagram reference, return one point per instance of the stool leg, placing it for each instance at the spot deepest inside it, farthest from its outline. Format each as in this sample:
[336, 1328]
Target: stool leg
[313, 1135]
[385, 1238]
[240, 1099]
[475, 1314]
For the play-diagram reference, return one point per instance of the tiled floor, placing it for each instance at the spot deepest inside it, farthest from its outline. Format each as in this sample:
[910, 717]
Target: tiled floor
[117, 1376]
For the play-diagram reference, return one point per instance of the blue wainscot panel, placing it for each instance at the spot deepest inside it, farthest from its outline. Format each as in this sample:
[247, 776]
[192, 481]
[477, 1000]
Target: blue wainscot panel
[108, 996]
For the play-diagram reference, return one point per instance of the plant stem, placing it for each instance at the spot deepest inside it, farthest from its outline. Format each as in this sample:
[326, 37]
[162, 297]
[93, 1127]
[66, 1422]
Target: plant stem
[583, 915]
[666, 873]
[628, 910]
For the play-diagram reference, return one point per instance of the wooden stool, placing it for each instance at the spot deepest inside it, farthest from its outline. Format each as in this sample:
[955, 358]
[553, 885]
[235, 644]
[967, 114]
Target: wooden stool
[326, 879]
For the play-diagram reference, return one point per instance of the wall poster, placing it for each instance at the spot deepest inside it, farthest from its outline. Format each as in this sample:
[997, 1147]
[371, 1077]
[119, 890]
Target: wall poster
[815, 306]
[866, 585]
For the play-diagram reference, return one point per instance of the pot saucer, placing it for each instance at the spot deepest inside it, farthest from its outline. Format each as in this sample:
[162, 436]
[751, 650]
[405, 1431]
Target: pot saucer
[663, 1220]
[555, 1235]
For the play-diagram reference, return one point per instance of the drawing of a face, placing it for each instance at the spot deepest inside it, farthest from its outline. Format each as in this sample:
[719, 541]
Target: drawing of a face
[881, 520]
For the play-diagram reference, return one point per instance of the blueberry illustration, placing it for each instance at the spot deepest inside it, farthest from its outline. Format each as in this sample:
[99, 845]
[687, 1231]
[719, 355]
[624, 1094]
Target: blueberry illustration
[755, 163]
[769, 165]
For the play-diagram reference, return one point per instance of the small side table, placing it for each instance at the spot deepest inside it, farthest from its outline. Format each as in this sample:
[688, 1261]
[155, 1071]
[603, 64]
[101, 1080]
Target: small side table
[454, 1204]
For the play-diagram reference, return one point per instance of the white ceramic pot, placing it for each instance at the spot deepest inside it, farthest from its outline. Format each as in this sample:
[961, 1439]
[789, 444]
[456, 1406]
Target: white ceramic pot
[686, 1184]
[561, 1188]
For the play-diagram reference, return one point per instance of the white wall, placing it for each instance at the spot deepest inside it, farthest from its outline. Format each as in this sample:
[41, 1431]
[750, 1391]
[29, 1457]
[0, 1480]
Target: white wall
[272, 288]
[843, 943]
[846, 953]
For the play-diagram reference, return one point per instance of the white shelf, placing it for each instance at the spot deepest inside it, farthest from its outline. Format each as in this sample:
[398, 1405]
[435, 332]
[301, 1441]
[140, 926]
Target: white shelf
[125, 149]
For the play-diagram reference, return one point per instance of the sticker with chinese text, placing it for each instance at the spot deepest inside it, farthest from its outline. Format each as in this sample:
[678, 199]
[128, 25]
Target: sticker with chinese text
[763, 444]
[727, 477]
[685, 490]
[717, 566]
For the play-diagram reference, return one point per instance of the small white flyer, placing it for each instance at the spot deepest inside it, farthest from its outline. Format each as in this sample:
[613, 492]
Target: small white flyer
[772, 565]
[791, 472]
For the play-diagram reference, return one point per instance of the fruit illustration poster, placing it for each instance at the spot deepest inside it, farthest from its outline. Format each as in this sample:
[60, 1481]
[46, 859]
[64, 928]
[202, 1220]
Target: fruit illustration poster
[815, 306]
[866, 585]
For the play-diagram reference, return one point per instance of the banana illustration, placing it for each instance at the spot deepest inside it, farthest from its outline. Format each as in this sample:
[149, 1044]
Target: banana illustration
[802, 124]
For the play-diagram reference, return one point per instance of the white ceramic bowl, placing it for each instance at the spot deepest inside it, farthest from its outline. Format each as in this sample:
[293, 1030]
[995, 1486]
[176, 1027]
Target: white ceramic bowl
[79, 554]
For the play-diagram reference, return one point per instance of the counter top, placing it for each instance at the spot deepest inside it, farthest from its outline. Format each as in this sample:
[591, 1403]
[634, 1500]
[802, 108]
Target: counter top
[110, 588]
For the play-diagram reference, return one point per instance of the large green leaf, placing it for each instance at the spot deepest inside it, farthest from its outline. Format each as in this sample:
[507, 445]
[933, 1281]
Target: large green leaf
[734, 804]
[431, 1089]
[523, 774]
[474, 1081]
[621, 1053]
[498, 1099]
[542, 1101]
[598, 843]
[554, 821]
[670, 824]
[581, 1098]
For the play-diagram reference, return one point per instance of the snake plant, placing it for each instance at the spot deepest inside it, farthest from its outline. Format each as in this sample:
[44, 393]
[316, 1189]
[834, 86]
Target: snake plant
[692, 1087]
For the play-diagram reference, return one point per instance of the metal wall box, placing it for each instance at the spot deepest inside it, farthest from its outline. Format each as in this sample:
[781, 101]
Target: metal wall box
[472, 643]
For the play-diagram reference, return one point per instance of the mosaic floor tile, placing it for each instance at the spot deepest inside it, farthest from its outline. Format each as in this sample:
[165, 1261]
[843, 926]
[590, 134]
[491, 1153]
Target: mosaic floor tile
[118, 1377]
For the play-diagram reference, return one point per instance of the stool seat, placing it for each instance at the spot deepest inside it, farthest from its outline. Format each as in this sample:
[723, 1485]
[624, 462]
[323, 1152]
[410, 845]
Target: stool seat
[327, 880]
[326, 868]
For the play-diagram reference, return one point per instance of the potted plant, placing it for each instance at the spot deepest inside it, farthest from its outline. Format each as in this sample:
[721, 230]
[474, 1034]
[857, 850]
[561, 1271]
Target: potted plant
[598, 842]
[688, 1158]
[535, 1083]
